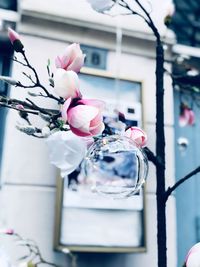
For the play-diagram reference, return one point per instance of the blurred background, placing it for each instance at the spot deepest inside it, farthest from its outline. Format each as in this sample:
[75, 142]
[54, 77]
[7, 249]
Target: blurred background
[120, 65]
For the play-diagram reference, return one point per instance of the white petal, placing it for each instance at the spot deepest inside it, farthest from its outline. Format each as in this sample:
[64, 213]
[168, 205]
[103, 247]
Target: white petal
[66, 83]
[4, 260]
[194, 260]
[66, 151]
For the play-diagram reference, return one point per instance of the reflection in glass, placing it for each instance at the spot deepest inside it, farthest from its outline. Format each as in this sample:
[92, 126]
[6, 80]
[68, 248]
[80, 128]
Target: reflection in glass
[115, 166]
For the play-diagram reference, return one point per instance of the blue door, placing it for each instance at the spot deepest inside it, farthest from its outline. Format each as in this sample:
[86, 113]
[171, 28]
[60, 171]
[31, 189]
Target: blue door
[188, 194]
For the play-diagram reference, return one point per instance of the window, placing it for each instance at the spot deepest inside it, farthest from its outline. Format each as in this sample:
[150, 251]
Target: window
[95, 57]
[5, 69]
[9, 4]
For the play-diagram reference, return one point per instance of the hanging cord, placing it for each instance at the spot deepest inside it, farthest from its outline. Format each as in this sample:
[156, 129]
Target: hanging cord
[118, 52]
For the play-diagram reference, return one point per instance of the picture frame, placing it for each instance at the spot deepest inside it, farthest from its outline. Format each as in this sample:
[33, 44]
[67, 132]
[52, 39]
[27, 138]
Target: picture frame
[86, 221]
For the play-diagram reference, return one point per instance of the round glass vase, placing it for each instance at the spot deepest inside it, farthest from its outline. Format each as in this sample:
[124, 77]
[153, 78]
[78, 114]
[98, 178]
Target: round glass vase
[115, 166]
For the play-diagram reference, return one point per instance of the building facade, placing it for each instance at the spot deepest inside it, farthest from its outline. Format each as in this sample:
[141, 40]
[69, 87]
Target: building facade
[28, 191]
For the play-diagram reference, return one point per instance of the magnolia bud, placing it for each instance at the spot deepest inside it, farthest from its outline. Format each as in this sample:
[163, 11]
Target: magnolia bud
[45, 117]
[26, 129]
[15, 40]
[20, 107]
[8, 80]
[7, 231]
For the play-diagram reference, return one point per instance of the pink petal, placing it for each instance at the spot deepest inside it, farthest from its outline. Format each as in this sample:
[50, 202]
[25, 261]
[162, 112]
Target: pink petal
[58, 62]
[81, 116]
[186, 118]
[71, 52]
[65, 108]
[191, 117]
[93, 102]
[183, 121]
[98, 119]
[79, 132]
[13, 35]
[77, 64]
[65, 62]
[98, 129]
[137, 135]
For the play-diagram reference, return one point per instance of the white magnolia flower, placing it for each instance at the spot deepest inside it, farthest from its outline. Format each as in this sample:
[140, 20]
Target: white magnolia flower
[193, 257]
[101, 5]
[66, 151]
[4, 260]
[23, 264]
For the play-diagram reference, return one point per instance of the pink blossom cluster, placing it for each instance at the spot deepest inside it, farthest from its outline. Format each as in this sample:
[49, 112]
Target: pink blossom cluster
[84, 116]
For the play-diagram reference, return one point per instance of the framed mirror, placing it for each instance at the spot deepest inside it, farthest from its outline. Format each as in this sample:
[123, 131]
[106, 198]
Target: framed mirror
[87, 221]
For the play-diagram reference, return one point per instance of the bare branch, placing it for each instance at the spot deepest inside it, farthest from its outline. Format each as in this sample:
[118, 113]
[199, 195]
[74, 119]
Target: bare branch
[37, 82]
[153, 158]
[122, 3]
[15, 108]
[28, 76]
[182, 180]
[20, 62]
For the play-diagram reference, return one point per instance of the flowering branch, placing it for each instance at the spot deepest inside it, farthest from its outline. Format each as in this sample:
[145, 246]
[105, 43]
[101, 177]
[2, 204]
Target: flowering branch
[34, 256]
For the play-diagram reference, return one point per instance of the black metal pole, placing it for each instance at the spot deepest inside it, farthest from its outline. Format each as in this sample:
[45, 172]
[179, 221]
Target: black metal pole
[160, 153]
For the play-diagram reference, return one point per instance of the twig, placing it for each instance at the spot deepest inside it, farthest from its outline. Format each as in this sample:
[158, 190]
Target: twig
[182, 180]
[59, 100]
[12, 107]
[34, 106]
[34, 251]
[20, 62]
[153, 158]
[37, 82]
[28, 76]
[122, 3]
[31, 105]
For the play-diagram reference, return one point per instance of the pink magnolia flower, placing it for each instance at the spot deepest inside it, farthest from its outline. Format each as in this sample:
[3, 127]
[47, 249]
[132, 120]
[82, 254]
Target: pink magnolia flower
[137, 135]
[193, 256]
[66, 84]
[84, 116]
[72, 58]
[187, 116]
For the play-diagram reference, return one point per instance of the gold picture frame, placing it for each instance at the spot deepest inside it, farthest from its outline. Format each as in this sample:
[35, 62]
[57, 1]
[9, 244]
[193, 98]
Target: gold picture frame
[96, 228]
